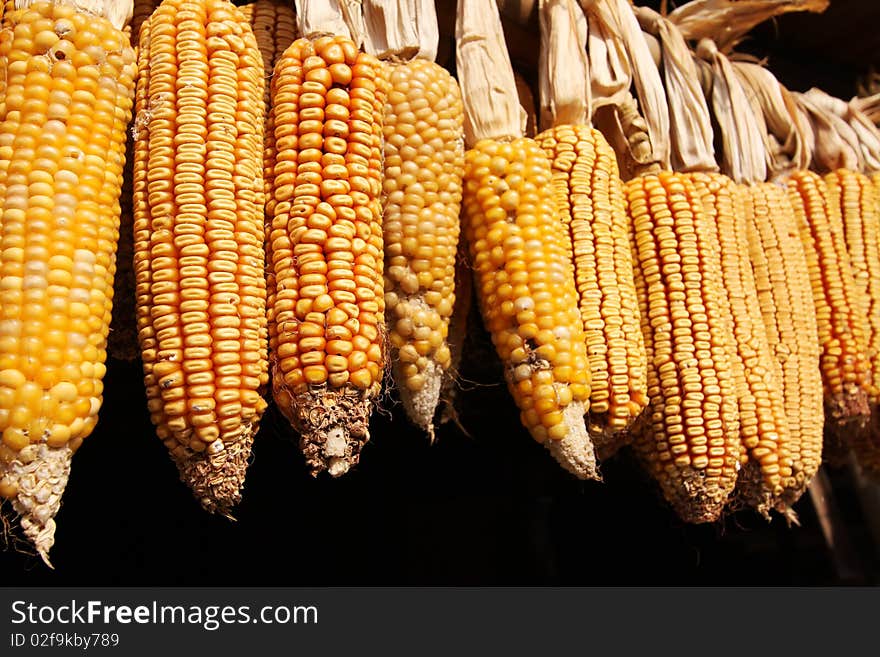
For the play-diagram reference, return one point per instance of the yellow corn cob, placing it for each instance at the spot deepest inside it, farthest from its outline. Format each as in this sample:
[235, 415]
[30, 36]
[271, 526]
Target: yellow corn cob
[589, 195]
[858, 202]
[199, 240]
[690, 442]
[326, 304]
[66, 85]
[785, 297]
[846, 372]
[520, 252]
[122, 343]
[424, 162]
[763, 425]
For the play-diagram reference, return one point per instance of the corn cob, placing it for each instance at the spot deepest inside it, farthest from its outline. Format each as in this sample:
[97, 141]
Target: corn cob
[785, 298]
[198, 229]
[520, 249]
[846, 372]
[65, 99]
[326, 304]
[763, 424]
[691, 444]
[423, 163]
[858, 203]
[589, 195]
[423, 196]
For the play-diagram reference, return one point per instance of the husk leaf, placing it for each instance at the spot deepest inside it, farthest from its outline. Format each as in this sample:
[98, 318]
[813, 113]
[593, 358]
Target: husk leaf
[860, 132]
[319, 17]
[788, 137]
[834, 144]
[689, 116]
[485, 74]
[726, 22]
[401, 29]
[563, 68]
[743, 154]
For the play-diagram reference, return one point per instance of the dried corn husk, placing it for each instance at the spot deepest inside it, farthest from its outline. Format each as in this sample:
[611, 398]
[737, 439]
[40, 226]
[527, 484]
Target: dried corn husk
[689, 117]
[835, 144]
[618, 53]
[788, 138]
[486, 75]
[726, 22]
[563, 67]
[318, 17]
[414, 33]
[869, 106]
[861, 129]
[743, 155]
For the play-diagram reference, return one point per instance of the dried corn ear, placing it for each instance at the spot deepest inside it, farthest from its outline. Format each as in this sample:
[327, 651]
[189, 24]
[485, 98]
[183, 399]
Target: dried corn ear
[198, 229]
[590, 198]
[326, 299]
[844, 362]
[785, 297]
[66, 86]
[690, 442]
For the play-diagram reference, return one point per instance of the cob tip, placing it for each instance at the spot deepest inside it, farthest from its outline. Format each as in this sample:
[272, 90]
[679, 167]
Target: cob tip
[575, 451]
[334, 426]
[420, 405]
[216, 475]
[38, 476]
